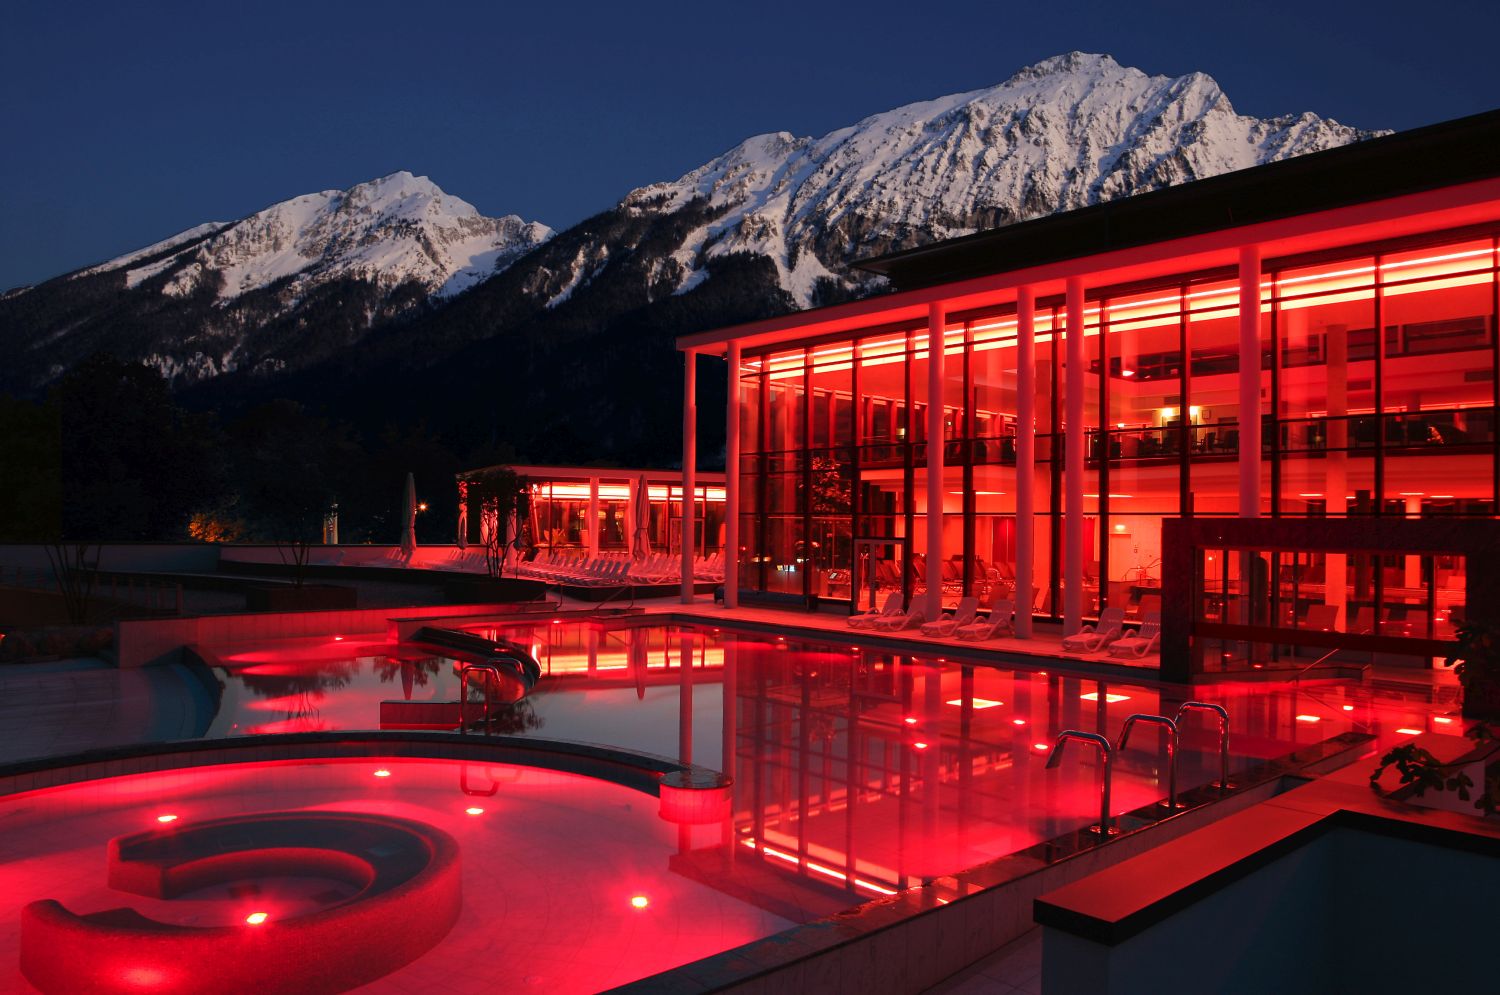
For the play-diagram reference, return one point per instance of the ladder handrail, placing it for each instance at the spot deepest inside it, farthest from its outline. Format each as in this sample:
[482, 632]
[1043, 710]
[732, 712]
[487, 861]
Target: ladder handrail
[1172, 740]
[1223, 714]
[1106, 751]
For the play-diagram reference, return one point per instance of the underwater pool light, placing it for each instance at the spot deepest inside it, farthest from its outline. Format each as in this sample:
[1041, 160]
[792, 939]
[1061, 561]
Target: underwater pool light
[256, 918]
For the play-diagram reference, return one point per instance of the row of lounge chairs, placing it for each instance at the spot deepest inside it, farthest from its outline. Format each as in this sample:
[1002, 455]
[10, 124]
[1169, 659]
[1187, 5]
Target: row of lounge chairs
[1109, 634]
[617, 571]
[965, 623]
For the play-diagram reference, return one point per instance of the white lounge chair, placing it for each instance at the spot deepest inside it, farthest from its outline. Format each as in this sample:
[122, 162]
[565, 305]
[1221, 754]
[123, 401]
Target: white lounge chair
[963, 614]
[1093, 638]
[910, 619]
[1002, 619]
[866, 620]
[1142, 642]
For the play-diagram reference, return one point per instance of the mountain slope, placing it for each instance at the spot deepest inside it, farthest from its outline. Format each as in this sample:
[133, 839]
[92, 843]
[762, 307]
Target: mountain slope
[222, 297]
[560, 345]
[1067, 132]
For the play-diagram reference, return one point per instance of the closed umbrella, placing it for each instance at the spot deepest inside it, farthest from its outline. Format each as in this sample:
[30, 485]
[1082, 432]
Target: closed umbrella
[513, 533]
[462, 539]
[640, 542]
[409, 518]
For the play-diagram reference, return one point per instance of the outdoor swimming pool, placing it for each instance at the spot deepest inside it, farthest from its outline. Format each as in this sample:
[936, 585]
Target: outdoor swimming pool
[857, 773]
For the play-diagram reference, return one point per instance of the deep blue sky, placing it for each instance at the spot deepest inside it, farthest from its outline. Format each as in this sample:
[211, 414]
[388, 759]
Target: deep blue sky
[124, 123]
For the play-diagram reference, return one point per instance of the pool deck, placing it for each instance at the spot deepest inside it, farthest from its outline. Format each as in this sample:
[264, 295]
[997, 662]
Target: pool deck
[1042, 650]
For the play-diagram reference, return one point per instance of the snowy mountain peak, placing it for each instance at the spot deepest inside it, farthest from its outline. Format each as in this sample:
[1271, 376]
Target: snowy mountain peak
[388, 231]
[1071, 130]
[1071, 63]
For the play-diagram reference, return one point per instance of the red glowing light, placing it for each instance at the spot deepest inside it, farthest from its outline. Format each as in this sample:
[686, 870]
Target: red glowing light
[1019, 722]
[1309, 718]
[557, 621]
[166, 818]
[909, 720]
[1043, 747]
[382, 772]
[1109, 697]
[640, 901]
[1408, 732]
[338, 639]
[474, 810]
[1348, 708]
[1442, 720]
[919, 746]
[256, 918]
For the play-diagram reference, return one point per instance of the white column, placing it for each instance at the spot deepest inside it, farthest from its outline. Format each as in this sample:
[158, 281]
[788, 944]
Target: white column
[1073, 463]
[593, 518]
[1249, 381]
[1025, 458]
[732, 484]
[689, 468]
[935, 322]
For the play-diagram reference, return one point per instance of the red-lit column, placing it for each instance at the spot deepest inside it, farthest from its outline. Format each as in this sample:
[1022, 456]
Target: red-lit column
[593, 513]
[732, 484]
[935, 322]
[1073, 463]
[1025, 457]
[689, 468]
[1249, 381]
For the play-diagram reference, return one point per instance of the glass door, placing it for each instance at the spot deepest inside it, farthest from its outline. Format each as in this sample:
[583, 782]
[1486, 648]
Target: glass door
[877, 571]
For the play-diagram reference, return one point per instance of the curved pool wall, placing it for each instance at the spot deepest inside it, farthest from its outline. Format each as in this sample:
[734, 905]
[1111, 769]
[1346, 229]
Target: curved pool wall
[555, 842]
[746, 925]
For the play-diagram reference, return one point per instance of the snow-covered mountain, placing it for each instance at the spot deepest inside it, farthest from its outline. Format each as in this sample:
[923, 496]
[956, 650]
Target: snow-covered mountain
[389, 231]
[434, 294]
[218, 297]
[1068, 132]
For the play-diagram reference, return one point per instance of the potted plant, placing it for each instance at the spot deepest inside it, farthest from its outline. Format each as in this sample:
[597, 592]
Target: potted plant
[1476, 664]
[1421, 771]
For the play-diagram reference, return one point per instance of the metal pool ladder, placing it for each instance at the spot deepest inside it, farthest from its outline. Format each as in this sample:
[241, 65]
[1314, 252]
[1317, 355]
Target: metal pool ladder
[1106, 753]
[491, 674]
[1223, 715]
[1172, 740]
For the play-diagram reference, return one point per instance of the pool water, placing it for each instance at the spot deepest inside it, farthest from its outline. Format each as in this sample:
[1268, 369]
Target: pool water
[886, 770]
[856, 773]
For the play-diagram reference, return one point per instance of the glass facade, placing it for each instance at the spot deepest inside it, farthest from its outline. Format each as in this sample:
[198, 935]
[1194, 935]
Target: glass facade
[560, 501]
[1377, 396]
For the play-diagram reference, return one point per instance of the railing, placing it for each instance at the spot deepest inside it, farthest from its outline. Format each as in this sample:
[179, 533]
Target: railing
[1172, 741]
[1223, 715]
[1106, 754]
[1318, 662]
[490, 680]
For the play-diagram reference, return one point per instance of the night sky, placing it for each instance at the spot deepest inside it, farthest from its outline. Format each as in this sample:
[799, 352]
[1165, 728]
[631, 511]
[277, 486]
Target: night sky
[124, 123]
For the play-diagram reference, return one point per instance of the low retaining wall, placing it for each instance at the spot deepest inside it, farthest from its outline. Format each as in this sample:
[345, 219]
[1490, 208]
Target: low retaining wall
[139, 642]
